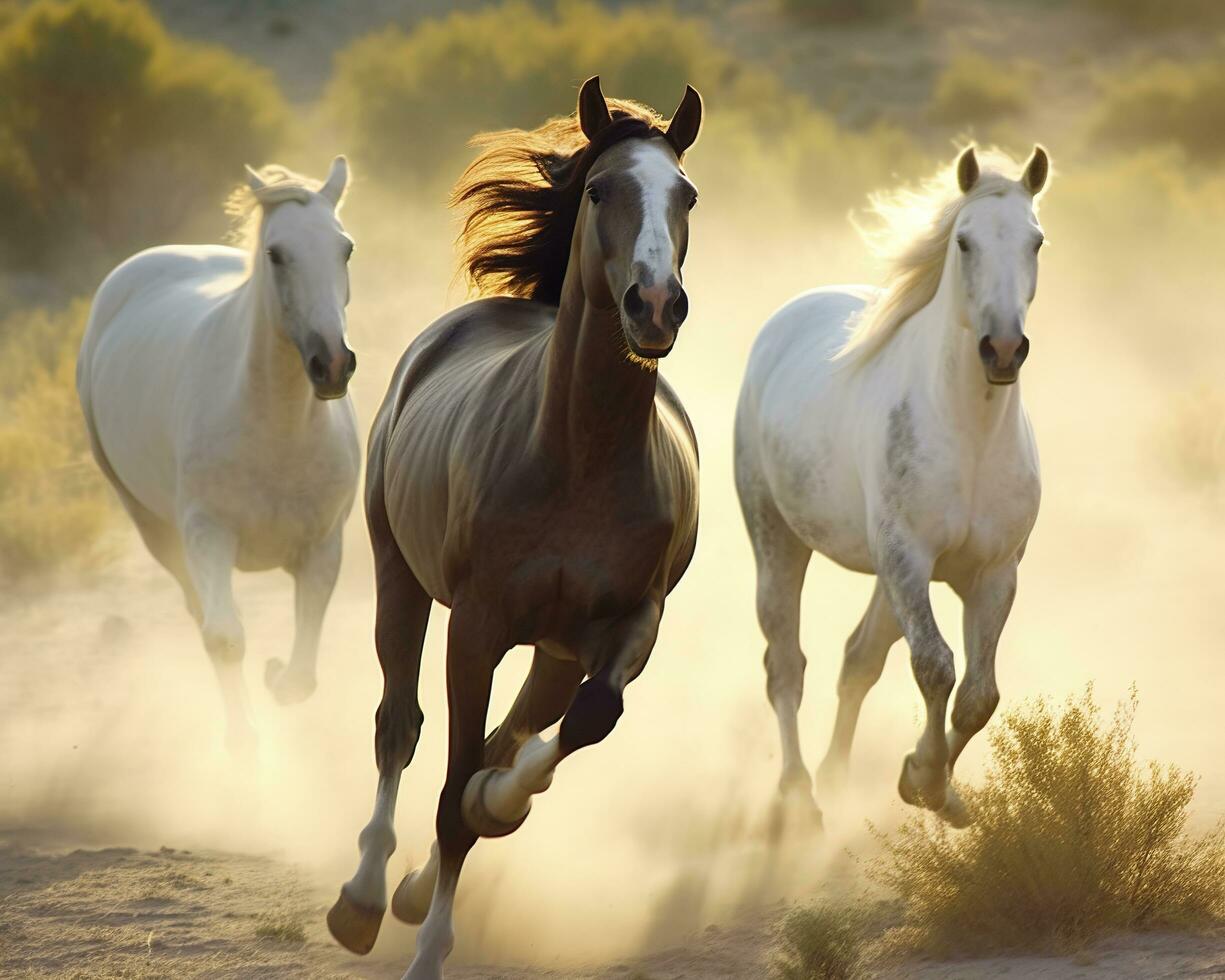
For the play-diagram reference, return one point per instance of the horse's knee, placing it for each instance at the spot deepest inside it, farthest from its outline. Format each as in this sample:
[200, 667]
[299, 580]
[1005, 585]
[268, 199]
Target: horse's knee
[785, 666]
[592, 715]
[397, 727]
[223, 638]
[934, 670]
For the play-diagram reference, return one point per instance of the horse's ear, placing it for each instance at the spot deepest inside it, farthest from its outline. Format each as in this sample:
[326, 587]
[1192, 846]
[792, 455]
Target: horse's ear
[593, 113]
[687, 121]
[254, 180]
[967, 170]
[1036, 171]
[338, 179]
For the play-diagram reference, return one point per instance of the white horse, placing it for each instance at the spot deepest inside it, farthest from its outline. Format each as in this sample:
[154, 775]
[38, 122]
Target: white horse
[214, 385]
[900, 449]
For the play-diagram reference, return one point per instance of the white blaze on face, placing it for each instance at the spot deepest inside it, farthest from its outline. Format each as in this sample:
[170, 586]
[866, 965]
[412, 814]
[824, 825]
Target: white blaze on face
[1001, 266]
[654, 169]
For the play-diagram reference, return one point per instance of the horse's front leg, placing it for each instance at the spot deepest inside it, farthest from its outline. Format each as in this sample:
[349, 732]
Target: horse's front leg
[497, 801]
[210, 551]
[314, 579]
[986, 606]
[906, 571]
[475, 643]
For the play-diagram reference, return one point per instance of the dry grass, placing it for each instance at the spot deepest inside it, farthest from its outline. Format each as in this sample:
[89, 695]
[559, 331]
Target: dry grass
[1074, 838]
[54, 505]
[827, 941]
[281, 926]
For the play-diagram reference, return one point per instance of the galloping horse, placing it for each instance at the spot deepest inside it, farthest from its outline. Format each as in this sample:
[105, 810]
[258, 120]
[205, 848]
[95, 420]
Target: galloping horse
[214, 386]
[900, 449]
[531, 470]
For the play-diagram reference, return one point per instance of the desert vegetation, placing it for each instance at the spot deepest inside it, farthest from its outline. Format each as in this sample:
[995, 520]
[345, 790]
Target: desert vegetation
[1074, 838]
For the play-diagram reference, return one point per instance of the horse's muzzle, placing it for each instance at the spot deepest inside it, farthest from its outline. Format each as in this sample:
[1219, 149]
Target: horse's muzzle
[1002, 358]
[329, 376]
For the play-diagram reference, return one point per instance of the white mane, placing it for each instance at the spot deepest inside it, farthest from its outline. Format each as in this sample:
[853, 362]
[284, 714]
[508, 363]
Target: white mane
[913, 230]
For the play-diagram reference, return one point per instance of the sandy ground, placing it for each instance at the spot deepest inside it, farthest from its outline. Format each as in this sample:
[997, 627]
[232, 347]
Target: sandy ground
[121, 912]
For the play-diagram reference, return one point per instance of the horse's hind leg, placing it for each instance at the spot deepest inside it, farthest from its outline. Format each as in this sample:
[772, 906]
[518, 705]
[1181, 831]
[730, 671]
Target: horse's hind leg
[314, 579]
[403, 611]
[210, 551]
[862, 663]
[782, 560]
[546, 694]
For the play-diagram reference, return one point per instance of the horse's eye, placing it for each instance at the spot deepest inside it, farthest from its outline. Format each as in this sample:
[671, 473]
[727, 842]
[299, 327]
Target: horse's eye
[275, 256]
[963, 243]
[593, 192]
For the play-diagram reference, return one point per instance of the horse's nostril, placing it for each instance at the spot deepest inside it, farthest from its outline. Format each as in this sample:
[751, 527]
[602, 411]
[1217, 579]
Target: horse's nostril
[317, 369]
[1022, 351]
[352, 368]
[680, 308]
[632, 302]
[986, 351]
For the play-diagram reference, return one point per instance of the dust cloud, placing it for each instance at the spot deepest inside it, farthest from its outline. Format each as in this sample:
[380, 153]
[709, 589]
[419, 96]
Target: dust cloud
[111, 726]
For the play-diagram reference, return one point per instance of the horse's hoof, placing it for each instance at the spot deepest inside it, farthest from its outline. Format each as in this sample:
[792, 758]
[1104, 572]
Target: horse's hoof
[354, 926]
[476, 814]
[288, 686]
[922, 786]
[411, 901]
[795, 814]
[954, 812]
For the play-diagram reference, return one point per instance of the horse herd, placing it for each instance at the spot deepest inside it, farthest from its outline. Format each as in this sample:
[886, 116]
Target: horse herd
[531, 470]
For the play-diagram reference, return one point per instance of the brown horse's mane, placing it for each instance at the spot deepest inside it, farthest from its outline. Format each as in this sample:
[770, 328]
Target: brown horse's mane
[520, 200]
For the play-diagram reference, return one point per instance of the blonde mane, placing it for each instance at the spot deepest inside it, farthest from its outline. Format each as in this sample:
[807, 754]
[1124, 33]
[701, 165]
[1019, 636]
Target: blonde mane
[245, 207]
[911, 230]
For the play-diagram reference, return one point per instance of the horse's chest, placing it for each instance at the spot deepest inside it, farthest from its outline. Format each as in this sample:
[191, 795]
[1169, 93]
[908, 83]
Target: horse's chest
[591, 559]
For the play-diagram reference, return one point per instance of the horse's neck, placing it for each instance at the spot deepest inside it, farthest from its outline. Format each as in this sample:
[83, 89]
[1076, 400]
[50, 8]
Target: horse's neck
[272, 382]
[595, 403]
[941, 356]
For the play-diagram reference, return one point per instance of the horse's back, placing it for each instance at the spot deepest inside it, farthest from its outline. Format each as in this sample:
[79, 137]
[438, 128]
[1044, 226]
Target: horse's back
[136, 346]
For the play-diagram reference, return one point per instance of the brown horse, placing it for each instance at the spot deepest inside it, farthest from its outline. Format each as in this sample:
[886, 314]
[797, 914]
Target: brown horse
[531, 470]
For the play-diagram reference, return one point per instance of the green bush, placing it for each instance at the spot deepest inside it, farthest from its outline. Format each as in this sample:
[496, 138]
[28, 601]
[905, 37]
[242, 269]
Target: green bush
[113, 133]
[409, 101]
[1073, 838]
[54, 504]
[975, 91]
[1168, 102]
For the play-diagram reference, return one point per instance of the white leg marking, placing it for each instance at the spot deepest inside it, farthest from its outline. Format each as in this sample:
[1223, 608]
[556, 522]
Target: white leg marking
[506, 794]
[436, 937]
[377, 842]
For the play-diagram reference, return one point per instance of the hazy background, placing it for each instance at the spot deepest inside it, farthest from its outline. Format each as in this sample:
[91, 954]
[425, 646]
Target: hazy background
[124, 125]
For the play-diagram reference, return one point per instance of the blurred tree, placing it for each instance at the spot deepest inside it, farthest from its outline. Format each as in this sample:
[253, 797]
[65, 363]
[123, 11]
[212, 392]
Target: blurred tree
[112, 132]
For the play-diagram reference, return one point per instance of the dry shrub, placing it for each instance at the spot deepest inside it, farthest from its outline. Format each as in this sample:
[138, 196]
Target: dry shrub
[827, 941]
[113, 133]
[1073, 838]
[1162, 14]
[1181, 103]
[54, 505]
[849, 11]
[281, 927]
[975, 91]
